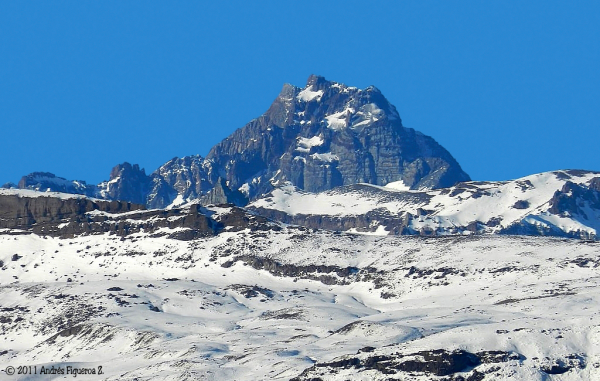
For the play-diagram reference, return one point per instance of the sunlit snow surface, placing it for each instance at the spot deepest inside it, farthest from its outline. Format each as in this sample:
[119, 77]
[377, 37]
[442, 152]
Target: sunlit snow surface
[308, 94]
[34, 194]
[305, 144]
[448, 210]
[159, 309]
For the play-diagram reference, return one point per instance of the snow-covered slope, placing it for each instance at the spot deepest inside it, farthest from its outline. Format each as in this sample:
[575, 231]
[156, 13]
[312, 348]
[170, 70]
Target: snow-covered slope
[280, 303]
[563, 203]
[29, 193]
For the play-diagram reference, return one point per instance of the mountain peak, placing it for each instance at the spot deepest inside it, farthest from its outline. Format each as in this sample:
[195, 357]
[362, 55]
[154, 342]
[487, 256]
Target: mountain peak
[126, 167]
[361, 139]
[316, 80]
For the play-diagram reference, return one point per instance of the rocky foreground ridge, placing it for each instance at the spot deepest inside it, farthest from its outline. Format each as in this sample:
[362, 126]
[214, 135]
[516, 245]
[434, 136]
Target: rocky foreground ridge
[318, 137]
[66, 216]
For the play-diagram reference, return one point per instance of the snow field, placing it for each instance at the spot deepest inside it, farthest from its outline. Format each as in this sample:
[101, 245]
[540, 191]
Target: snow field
[162, 309]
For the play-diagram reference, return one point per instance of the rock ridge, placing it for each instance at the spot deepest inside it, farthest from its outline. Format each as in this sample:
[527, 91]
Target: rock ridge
[318, 137]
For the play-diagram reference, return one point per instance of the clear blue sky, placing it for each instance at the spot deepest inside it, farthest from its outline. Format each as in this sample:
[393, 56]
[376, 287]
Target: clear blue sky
[510, 88]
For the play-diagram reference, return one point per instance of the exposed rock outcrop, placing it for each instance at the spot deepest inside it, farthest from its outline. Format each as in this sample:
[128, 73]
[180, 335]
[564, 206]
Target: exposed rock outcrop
[431, 363]
[127, 182]
[65, 216]
[18, 211]
[326, 135]
[190, 176]
[221, 194]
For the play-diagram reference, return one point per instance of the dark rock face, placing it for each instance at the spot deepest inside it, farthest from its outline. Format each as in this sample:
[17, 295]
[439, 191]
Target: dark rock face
[66, 217]
[563, 365]
[161, 193]
[252, 291]
[395, 224]
[196, 224]
[573, 198]
[127, 182]
[321, 273]
[438, 362]
[521, 204]
[595, 184]
[221, 194]
[189, 177]
[327, 135]
[26, 212]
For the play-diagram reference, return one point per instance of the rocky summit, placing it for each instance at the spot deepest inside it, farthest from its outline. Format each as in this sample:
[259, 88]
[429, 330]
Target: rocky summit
[327, 135]
[316, 138]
